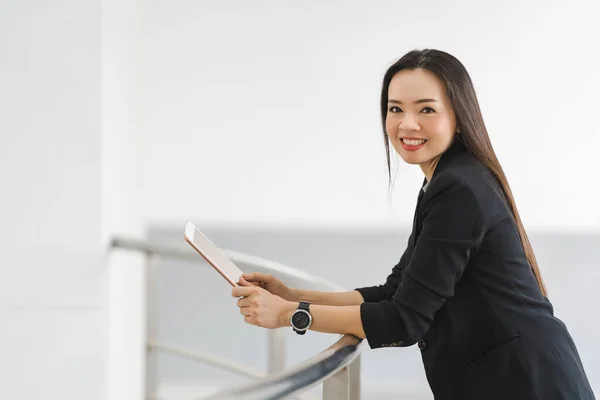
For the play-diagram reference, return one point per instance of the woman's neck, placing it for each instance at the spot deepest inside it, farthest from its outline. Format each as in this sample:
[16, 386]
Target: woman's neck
[428, 167]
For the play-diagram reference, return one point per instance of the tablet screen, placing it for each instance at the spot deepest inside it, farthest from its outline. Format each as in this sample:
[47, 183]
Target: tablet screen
[212, 254]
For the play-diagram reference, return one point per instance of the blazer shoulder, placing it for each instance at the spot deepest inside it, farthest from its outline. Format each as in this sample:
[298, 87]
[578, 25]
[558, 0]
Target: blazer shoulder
[465, 171]
[475, 181]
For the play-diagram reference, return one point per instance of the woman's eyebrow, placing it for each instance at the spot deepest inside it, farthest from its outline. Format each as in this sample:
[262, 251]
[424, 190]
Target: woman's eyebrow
[416, 102]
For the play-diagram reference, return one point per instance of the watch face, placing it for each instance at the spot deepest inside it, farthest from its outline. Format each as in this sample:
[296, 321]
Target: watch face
[300, 319]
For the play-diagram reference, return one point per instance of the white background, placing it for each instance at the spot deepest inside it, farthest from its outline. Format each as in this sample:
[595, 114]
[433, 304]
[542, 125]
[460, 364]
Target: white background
[267, 112]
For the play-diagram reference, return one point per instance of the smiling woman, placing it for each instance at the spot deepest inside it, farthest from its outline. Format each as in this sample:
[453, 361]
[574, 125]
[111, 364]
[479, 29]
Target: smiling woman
[467, 288]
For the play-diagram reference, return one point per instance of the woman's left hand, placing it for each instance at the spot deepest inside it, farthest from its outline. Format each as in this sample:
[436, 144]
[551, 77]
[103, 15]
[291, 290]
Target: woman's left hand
[261, 308]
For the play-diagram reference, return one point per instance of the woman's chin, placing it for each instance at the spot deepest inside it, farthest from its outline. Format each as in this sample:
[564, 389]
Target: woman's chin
[411, 159]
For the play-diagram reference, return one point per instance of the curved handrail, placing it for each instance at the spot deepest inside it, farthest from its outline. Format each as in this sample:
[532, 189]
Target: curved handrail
[299, 379]
[240, 259]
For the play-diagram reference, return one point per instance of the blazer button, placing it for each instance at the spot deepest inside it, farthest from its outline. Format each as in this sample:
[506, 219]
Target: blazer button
[422, 344]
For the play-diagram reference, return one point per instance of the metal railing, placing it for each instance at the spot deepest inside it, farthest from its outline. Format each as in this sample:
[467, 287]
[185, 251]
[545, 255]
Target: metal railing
[337, 368]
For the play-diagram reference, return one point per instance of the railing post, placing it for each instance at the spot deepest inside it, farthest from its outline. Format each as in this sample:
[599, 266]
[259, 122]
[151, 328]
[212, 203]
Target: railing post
[337, 387]
[275, 351]
[355, 379]
[151, 326]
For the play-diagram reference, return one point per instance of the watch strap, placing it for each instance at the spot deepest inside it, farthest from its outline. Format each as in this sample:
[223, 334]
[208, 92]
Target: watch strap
[304, 305]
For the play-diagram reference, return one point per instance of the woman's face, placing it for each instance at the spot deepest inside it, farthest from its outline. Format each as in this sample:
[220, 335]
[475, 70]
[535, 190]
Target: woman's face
[420, 121]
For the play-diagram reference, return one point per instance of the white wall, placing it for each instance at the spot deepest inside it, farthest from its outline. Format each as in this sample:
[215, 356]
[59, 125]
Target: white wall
[52, 312]
[268, 113]
[71, 313]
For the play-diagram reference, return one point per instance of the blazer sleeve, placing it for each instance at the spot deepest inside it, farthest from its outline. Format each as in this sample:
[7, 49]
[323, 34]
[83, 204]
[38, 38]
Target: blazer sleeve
[374, 294]
[453, 227]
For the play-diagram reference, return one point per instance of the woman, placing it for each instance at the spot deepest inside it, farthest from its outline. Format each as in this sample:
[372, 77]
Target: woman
[467, 288]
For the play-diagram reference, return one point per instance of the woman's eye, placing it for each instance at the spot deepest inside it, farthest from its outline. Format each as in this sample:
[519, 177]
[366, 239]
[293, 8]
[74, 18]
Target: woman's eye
[426, 110]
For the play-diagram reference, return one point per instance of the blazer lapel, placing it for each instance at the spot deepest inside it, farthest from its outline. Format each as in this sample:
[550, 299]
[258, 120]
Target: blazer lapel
[457, 147]
[417, 217]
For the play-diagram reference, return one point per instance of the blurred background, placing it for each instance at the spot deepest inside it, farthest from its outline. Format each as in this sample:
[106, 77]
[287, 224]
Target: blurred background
[259, 121]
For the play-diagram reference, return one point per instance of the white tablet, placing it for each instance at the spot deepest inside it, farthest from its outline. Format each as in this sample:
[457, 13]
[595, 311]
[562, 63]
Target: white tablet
[212, 254]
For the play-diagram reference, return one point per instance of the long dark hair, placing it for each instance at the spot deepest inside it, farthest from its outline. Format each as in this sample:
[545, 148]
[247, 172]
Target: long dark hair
[473, 133]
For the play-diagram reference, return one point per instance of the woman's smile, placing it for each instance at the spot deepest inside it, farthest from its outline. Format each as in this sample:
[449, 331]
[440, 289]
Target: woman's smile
[412, 144]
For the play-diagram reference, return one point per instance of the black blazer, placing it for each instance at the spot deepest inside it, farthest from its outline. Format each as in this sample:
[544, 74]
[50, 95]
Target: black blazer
[465, 292]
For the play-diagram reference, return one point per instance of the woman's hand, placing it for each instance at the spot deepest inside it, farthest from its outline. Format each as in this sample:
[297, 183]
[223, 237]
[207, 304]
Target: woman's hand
[271, 284]
[261, 308]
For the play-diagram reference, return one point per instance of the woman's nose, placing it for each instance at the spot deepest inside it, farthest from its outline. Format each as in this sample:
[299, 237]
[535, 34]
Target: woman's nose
[408, 123]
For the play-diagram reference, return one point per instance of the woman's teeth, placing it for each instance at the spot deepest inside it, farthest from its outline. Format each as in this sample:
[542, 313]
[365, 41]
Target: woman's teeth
[411, 142]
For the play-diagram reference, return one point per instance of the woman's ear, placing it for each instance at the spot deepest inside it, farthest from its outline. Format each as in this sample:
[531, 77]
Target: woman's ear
[458, 136]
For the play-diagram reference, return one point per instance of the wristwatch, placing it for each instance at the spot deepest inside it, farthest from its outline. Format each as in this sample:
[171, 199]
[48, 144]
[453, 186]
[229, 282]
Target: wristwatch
[301, 318]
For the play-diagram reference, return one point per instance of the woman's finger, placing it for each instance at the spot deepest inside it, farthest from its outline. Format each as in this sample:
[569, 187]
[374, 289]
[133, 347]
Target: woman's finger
[258, 277]
[244, 282]
[245, 311]
[244, 302]
[242, 291]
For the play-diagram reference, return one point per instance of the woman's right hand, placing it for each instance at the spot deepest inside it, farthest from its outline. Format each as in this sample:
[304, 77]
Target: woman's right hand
[269, 283]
